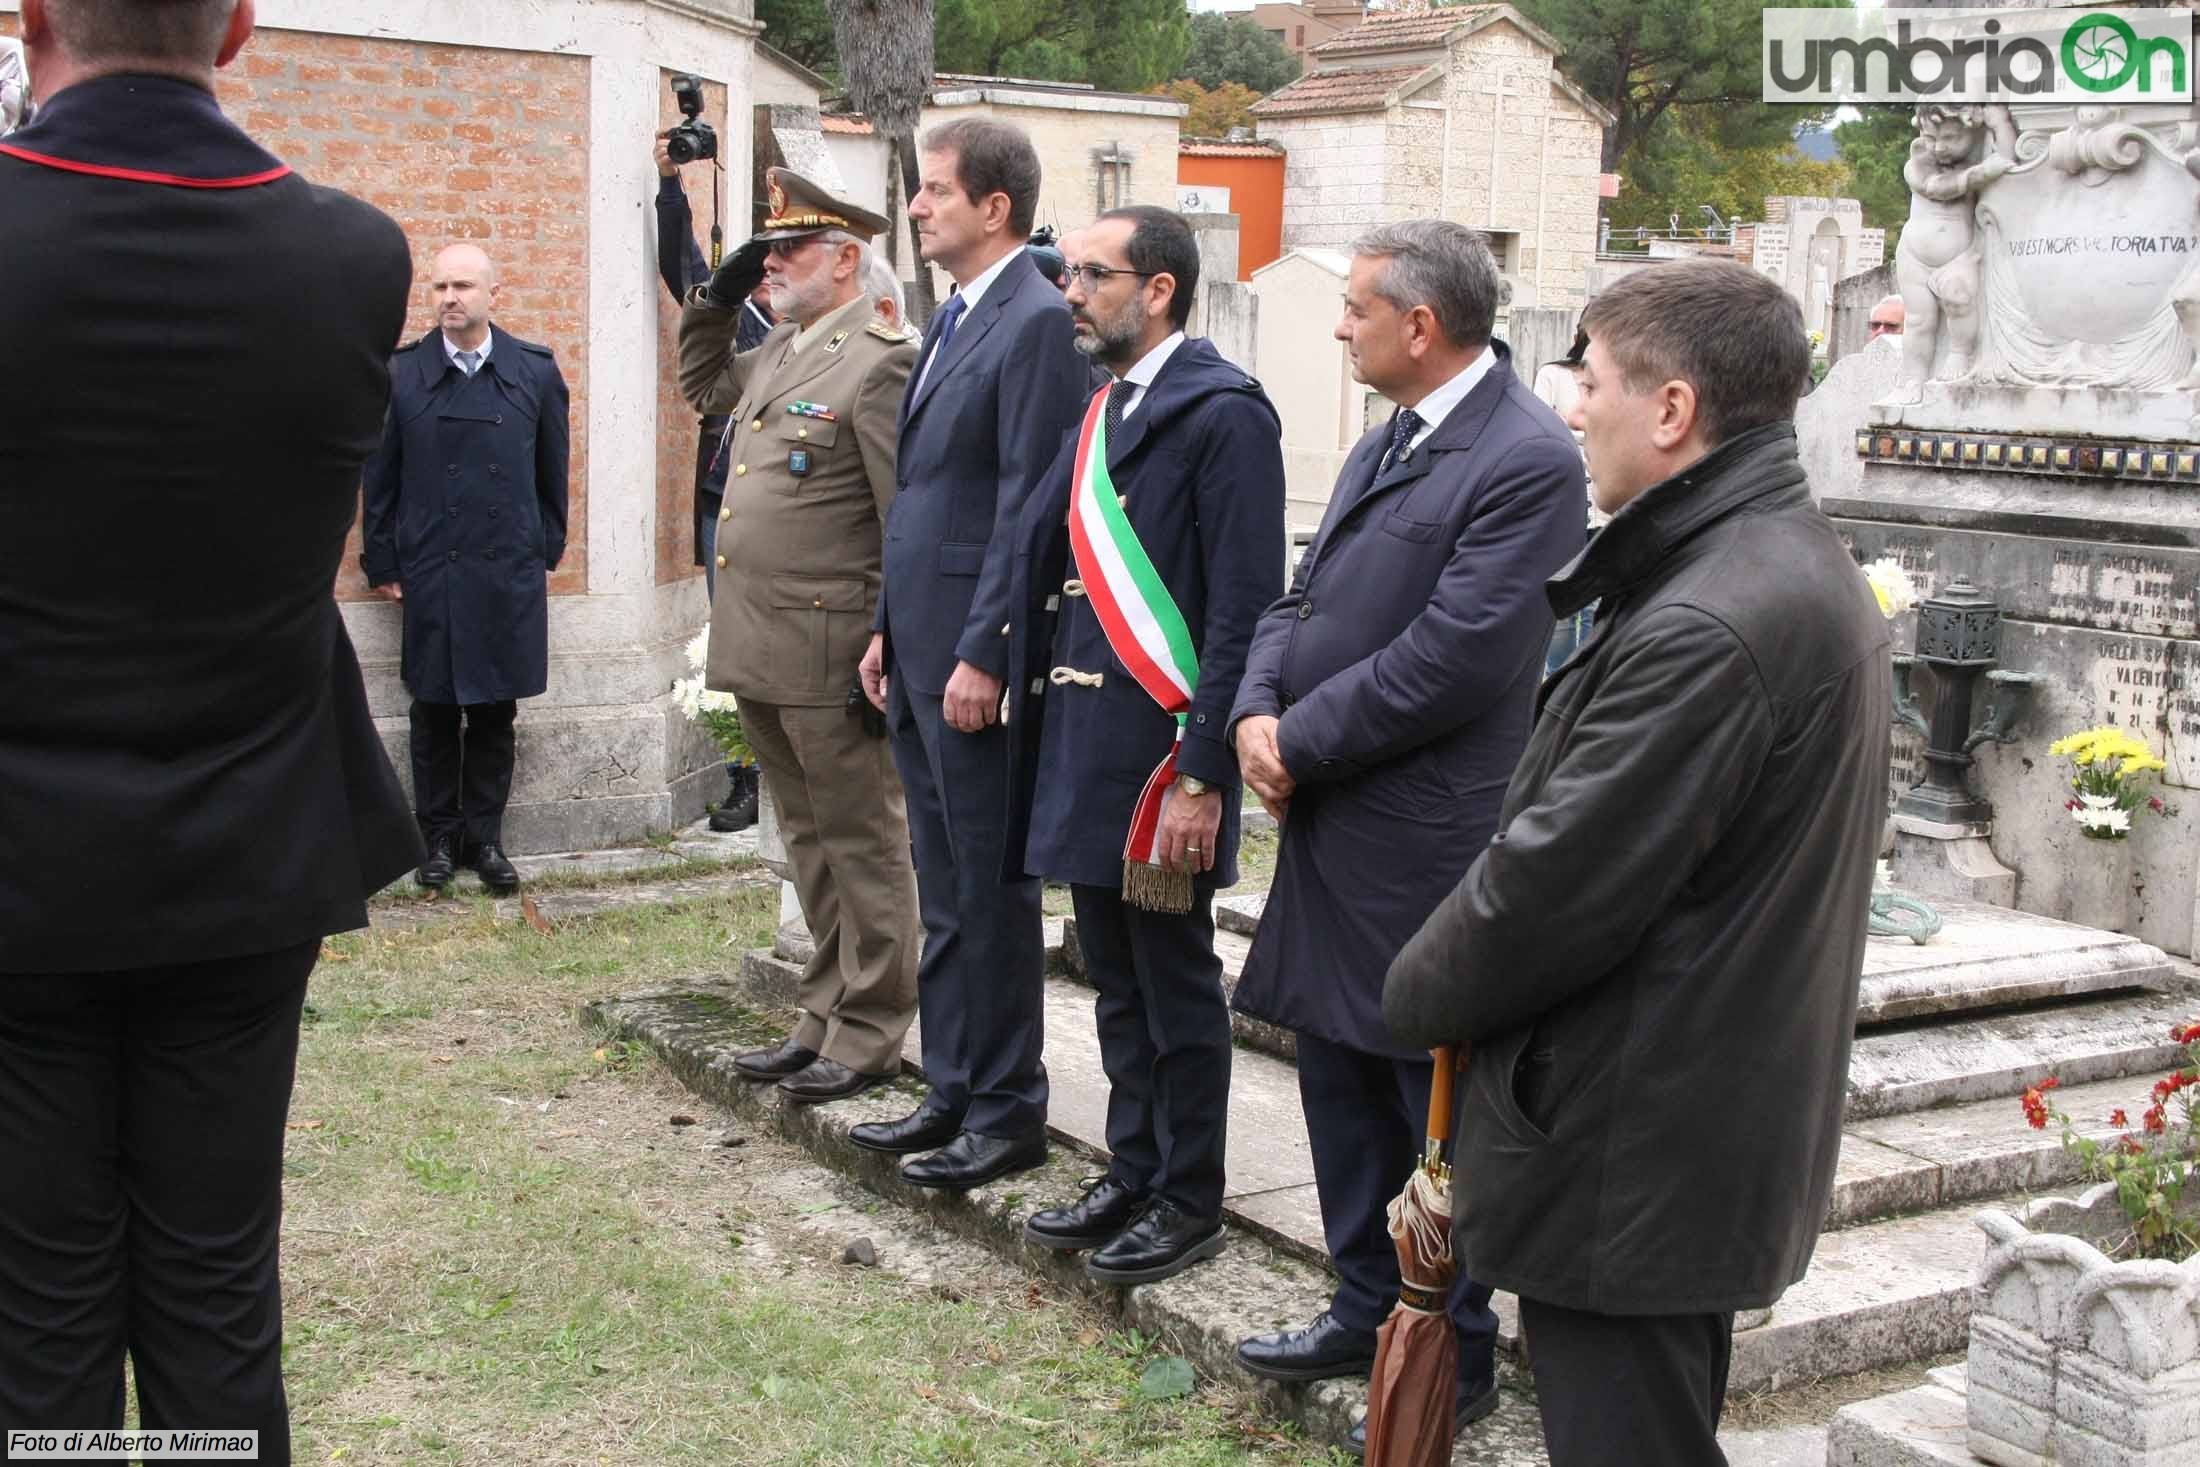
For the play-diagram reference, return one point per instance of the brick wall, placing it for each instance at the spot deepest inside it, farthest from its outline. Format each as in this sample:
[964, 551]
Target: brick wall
[455, 143]
[675, 423]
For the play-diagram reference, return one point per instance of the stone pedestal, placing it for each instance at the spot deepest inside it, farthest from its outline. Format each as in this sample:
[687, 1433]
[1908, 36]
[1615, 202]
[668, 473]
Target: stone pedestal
[2098, 578]
[1941, 861]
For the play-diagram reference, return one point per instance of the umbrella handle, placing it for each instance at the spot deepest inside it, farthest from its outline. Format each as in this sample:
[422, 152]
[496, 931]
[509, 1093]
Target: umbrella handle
[1451, 1061]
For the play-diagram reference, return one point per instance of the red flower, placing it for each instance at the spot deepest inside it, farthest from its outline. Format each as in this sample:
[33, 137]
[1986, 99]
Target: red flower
[2163, 1090]
[2154, 803]
[2070, 804]
[2129, 1146]
[2185, 1033]
[2035, 1110]
[2156, 1121]
[2117, 1117]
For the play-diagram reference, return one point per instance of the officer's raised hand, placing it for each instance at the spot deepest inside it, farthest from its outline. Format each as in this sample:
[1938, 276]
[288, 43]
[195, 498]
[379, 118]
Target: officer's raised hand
[740, 274]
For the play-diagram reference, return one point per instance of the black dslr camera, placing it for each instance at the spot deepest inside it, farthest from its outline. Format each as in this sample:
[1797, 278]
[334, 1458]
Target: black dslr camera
[691, 139]
[1046, 255]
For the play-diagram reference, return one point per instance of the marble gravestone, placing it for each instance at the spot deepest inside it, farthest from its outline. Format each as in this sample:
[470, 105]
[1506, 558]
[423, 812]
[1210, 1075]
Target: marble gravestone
[2042, 438]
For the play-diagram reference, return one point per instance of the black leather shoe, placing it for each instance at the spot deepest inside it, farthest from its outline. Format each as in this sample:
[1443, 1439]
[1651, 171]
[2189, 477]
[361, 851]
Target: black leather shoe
[1161, 1244]
[1106, 1209]
[436, 872]
[1469, 1404]
[738, 810]
[972, 1160]
[777, 1063]
[495, 871]
[828, 1079]
[1322, 1350]
[920, 1130]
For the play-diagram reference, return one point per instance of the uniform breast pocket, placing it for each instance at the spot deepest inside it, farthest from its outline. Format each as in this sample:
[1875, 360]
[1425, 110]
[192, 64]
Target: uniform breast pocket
[804, 447]
[820, 626]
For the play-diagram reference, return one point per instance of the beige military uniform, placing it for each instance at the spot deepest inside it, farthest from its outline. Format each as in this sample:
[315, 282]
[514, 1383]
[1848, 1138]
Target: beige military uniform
[812, 473]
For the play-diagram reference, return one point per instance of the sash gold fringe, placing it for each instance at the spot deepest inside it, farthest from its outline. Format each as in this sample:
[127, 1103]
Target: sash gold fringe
[1155, 890]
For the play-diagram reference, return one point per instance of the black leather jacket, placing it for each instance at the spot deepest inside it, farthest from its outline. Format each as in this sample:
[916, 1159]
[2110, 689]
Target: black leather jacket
[1656, 959]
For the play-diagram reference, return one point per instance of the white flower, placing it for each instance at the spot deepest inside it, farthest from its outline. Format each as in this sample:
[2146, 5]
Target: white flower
[698, 649]
[711, 700]
[1891, 585]
[2101, 812]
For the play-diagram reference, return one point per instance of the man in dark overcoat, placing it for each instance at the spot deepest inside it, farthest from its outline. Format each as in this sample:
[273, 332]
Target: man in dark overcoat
[1128, 786]
[464, 521]
[1656, 960]
[997, 384]
[192, 794]
[1385, 701]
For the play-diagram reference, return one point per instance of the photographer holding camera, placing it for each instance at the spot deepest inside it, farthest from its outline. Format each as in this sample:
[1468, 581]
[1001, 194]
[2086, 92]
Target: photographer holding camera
[682, 267]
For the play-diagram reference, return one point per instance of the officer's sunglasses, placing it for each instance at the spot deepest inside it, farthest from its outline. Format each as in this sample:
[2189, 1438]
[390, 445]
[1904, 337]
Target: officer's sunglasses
[786, 249]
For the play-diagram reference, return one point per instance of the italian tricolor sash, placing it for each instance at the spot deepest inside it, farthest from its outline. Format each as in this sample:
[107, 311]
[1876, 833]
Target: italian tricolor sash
[1147, 634]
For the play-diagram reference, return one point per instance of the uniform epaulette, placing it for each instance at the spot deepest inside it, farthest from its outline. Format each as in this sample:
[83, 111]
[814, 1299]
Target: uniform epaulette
[887, 331]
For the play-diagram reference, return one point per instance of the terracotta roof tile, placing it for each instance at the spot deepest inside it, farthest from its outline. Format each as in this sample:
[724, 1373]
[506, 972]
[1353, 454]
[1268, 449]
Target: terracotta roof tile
[843, 122]
[1399, 30]
[1204, 148]
[1335, 90]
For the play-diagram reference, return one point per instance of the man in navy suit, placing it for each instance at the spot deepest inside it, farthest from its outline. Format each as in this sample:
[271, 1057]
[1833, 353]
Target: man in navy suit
[1123, 691]
[997, 385]
[1385, 702]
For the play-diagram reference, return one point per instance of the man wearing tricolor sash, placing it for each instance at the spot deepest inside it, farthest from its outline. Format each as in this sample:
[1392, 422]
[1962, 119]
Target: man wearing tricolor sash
[1144, 558]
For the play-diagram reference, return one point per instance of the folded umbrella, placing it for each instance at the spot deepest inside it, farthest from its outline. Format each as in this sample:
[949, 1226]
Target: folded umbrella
[1410, 1392]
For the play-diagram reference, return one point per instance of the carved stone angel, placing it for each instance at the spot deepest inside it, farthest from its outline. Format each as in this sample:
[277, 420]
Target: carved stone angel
[1937, 263]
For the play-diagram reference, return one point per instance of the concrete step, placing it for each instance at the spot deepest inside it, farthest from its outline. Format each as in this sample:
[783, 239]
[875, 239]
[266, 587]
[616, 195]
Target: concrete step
[1879, 1292]
[1904, 1068]
[1254, 1285]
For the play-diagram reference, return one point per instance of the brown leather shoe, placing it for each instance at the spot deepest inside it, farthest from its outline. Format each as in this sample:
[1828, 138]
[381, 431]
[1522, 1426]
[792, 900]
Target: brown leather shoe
[777, 1063]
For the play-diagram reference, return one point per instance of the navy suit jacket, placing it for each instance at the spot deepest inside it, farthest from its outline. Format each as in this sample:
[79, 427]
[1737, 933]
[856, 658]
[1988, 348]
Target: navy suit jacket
[1404, 665]
[1200, 469]
[989, 416]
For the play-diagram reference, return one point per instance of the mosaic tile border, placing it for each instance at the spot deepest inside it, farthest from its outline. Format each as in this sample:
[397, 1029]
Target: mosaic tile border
[2001, 453]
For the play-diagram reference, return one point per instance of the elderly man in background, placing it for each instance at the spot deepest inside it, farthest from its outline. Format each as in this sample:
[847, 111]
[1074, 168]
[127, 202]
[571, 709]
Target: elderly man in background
[812, 446]
[1656, 960]
[1887, 317]
[1385, 701]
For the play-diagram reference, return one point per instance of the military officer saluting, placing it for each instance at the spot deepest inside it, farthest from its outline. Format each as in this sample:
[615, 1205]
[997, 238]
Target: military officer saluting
[814, 408]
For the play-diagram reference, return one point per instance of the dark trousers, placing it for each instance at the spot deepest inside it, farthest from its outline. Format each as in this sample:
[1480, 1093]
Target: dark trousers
[141, 1138]
[1366, 1123]
[1164, 1041]
[980, 994]
[462, 781]
[1641, 1389]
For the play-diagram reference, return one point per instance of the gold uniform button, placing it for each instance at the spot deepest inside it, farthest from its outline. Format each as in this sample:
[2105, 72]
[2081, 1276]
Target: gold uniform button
[724, 515]
[721, 562]
[739, 470]
[757, 426]
[801, 432]
[819, 603]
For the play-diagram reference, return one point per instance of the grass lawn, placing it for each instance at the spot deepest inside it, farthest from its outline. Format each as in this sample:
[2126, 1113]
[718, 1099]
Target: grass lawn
[501, 1248]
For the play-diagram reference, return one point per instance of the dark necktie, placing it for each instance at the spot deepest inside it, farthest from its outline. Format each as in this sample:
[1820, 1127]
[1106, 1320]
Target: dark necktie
[1119, 398]
[1402, 429]
[950, 314]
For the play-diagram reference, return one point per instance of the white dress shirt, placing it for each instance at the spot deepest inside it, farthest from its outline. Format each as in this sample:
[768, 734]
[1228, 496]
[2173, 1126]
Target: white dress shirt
[1149, 367]
[451, 349]
[971, 294]
[1437, 406]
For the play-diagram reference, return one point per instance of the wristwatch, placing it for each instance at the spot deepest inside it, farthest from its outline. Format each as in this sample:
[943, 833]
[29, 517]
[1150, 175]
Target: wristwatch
[1191, 786]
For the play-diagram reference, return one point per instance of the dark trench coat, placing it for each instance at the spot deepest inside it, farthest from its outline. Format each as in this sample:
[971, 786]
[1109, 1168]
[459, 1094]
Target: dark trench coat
[465, 506]
[1403, 664]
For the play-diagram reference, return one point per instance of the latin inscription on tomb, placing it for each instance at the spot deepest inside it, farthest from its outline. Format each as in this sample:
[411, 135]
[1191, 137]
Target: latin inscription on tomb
[2122, 591]
[2040, 246]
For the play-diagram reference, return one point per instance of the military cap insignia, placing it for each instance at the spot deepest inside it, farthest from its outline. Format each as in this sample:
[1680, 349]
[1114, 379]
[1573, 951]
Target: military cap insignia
[776, 192]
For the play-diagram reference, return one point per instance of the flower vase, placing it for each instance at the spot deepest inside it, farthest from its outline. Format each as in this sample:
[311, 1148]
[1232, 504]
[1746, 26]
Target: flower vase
[2096, 885]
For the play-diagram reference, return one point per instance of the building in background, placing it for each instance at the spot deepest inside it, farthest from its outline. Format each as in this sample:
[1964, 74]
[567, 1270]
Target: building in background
[1303, 26]
[1459, 113]
[1242, 178]
[526, 129]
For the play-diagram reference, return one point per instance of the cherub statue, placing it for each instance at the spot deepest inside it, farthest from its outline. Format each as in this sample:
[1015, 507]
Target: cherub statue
[1937, 264]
